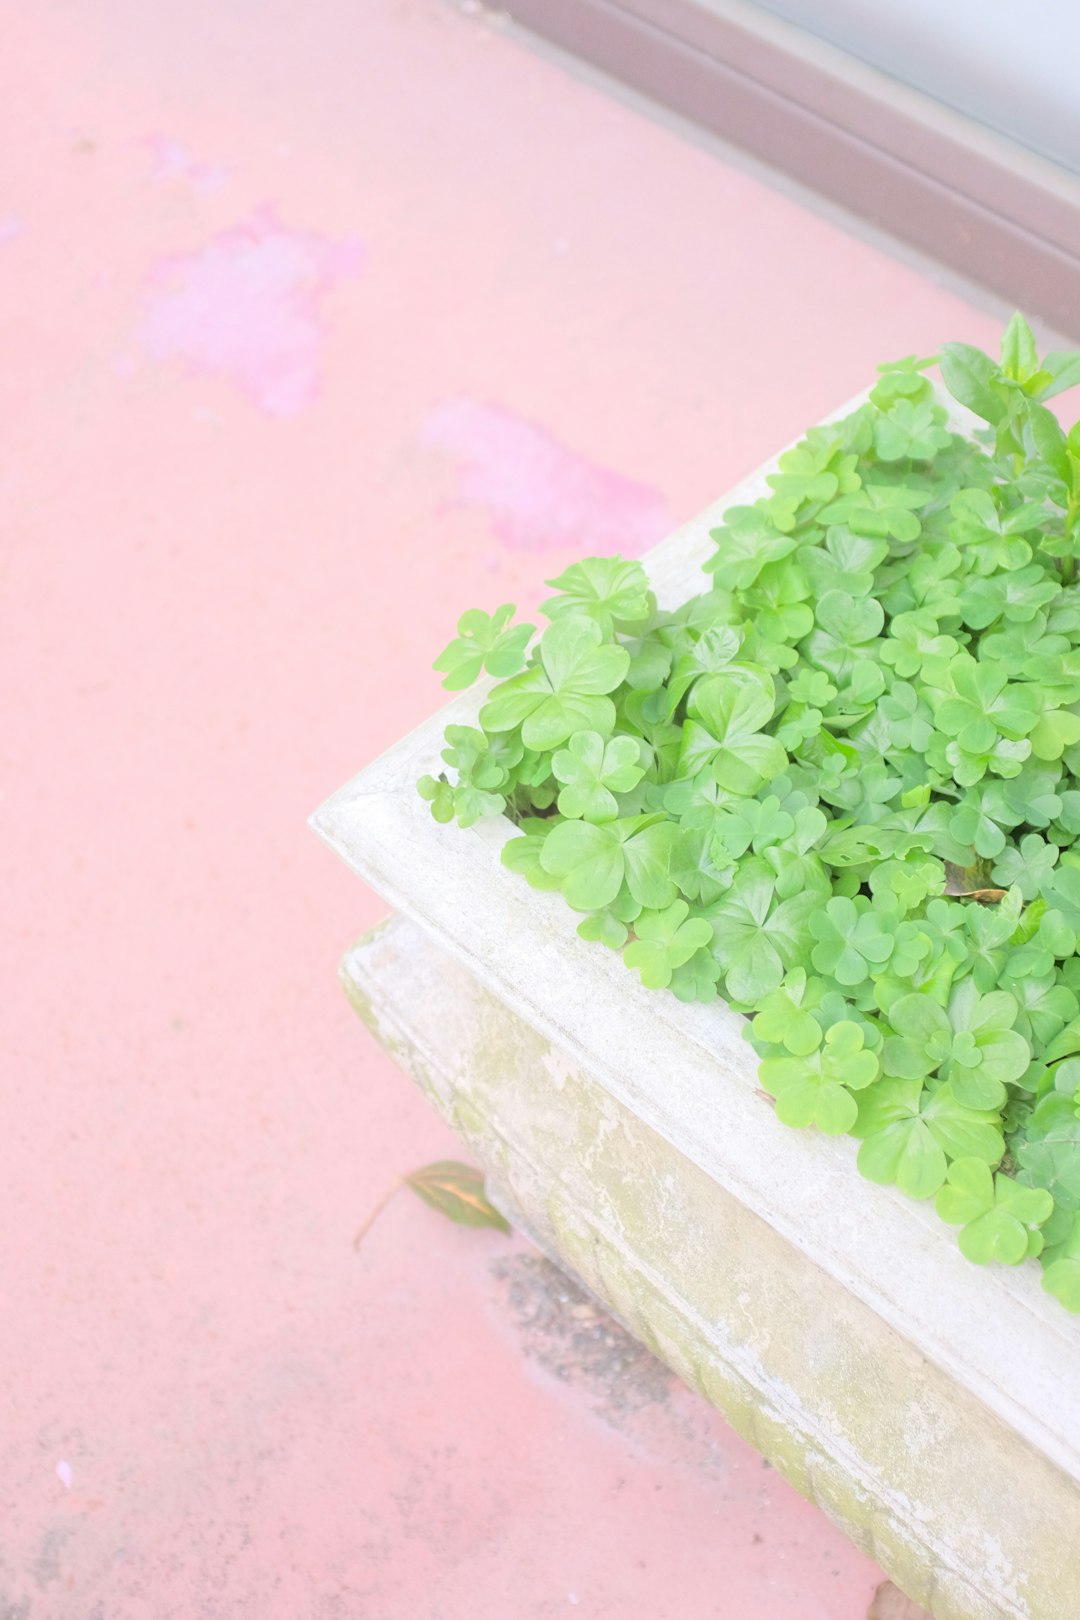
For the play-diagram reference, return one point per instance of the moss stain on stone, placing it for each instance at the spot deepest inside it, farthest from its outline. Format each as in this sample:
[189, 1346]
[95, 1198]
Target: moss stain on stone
[620, 1206]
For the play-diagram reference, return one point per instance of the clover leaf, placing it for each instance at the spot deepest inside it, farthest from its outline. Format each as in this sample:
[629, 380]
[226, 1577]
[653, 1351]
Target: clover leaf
[665, 940]
[1015, 596]
[484, 641]
[439, 794]
[522, 855]
[756, 936]
[1063, 891]
[815, 1088]
[1049, 1157]
[851, 940]
[604, 928]
[971, 823]
[912, 638]
[880, 511]
[695, 980]
[728, 714]
[846, 562]
[971, 1043]
[587, 860]
[745, 543]
[700, 869]
[613, 592]
[565, 692]
[911, 430]
[752, 823]
[591, 861]
[998, 1218]
[1055, 730]
[1061, 1269]
[1044, 1005]
[592, 771]
[1030, 865]
[783, 1018]
[898, 1145]
[910, 1132]
[984, 708]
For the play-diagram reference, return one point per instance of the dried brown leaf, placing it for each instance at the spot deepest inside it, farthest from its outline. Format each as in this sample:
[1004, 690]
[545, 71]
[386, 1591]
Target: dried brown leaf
[971, 883]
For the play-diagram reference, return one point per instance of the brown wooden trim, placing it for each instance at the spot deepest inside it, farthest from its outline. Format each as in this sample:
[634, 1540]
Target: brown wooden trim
[974, 201]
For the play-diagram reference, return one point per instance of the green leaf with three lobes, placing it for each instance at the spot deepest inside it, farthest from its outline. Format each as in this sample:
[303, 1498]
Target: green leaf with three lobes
[592, 770]
[565, 692]
[484, 641]
[784, 1017]
[757, 936]
[1061, 1269]
[613, 592]
[725, 731]
[972, 1043]
[998, 1218]
[815, 1088]
[908, 1130]
[591, 861]
[665, 940]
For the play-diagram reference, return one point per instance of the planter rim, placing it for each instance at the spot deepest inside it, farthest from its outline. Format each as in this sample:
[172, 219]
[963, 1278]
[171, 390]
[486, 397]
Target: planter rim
[686, 1071]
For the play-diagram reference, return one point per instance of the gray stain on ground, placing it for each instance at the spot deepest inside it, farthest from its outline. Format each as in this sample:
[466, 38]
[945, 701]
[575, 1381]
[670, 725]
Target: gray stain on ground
[566, 1332]
[48, 1566]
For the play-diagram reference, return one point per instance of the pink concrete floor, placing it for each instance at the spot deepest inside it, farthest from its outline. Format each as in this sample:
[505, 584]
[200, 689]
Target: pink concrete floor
[323, 321]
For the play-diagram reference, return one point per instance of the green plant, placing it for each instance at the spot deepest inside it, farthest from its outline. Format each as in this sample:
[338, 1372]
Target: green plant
[841, 786]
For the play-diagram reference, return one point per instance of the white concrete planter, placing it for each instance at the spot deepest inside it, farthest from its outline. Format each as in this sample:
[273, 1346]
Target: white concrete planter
[932, 1408]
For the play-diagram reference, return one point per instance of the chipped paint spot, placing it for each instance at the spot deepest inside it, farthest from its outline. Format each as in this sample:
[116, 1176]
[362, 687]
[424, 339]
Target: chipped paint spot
[246, 307]
[171, 160]
[65, 1474]
[11, 227]
[541, 495]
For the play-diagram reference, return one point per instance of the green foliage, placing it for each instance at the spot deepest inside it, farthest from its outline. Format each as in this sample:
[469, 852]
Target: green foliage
[815, 1088]
[841, 786]
[484, 641]
[592, 770]
[998, 1218]
[665, 940]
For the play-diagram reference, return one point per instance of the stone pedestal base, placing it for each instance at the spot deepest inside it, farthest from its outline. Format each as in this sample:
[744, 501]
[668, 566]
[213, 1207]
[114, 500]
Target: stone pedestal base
[968, 1517]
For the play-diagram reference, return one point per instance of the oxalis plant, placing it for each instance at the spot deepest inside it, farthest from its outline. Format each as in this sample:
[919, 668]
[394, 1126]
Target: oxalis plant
[840, 788]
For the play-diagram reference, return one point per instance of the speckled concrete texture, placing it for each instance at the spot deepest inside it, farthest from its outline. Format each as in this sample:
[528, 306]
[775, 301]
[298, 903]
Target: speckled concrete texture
[319, 323]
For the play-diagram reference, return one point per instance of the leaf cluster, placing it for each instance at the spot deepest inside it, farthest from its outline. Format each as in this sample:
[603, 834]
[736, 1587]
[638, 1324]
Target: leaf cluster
[840, 787]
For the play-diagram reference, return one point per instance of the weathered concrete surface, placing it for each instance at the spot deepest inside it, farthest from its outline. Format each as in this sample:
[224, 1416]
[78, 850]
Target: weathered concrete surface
[973, 1520]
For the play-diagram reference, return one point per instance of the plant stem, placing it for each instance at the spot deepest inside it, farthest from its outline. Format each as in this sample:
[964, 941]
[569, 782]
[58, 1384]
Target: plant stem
[394, 1187]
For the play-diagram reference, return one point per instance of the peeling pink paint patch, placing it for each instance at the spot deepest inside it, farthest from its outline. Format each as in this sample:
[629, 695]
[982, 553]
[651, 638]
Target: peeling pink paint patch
[246, 307]
[171, 160]
[541, 495]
